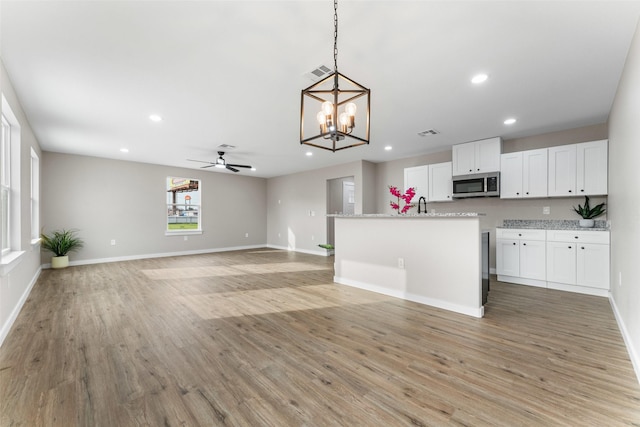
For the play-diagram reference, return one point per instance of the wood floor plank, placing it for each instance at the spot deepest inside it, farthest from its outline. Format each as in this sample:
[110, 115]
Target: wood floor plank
[265, 338]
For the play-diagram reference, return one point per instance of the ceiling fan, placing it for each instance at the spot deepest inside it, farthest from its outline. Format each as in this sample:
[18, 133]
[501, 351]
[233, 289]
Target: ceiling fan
[221, 163]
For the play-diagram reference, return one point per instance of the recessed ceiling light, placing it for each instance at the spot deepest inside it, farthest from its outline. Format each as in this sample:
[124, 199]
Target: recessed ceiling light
[479, 78]
[309, 153]
[155, 118]
[510, 121]
[388, 148]
[124, 150]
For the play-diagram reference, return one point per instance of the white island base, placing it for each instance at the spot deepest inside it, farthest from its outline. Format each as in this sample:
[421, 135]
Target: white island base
[433, 259]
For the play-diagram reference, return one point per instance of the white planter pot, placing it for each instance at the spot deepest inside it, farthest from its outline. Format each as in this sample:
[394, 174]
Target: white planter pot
[60, 261]
[587, 223]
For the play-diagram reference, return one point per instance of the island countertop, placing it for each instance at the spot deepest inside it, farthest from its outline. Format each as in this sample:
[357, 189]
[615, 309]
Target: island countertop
[400, 216]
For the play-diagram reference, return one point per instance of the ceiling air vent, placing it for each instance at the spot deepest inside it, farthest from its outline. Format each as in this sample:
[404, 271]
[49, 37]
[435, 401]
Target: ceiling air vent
[428, 132]
[319, 73]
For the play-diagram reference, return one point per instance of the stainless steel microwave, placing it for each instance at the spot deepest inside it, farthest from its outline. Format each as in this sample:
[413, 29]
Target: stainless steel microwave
[476, 185]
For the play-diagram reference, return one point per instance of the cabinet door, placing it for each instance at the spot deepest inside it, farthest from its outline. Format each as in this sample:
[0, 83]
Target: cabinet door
[418, 178]
[562, 170]
[511, 176]
[488, 155]
[508, 257]
[533, 259]
[593, 265]
[591, 167]
[440, 186]
[464, 159]
[561, 262]
[534, 173]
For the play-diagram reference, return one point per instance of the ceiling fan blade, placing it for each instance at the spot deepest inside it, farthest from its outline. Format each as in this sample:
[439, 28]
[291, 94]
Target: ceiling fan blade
[199, 161]
[239, 166]
[231, 168]
[208, 166]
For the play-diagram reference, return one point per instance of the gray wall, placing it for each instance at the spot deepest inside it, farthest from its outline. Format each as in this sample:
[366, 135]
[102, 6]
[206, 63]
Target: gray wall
[15, 285]
[291, 198]
[624, 181]
[125, 201]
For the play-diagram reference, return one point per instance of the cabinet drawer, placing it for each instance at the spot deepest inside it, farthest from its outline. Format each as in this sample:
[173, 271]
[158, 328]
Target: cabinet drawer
[520, 233]
[578, 236]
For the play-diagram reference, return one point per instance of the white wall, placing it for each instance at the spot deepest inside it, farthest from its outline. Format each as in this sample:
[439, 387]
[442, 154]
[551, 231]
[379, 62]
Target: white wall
[126, 201]
[624, 203]
[16, 284]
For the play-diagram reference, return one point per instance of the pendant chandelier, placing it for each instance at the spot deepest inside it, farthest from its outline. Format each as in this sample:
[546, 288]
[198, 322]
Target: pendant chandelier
[334, 106]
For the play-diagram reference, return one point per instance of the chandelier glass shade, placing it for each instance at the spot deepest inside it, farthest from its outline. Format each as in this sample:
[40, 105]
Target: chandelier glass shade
[334, 112]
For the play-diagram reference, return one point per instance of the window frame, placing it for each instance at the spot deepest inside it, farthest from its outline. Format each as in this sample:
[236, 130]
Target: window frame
[35, 197]
[172, 205]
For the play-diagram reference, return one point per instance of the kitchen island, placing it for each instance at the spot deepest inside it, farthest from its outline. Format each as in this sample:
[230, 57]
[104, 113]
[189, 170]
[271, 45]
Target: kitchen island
[433, 259]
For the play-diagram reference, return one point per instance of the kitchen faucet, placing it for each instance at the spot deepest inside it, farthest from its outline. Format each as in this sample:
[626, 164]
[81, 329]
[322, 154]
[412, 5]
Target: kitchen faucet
[420, 200]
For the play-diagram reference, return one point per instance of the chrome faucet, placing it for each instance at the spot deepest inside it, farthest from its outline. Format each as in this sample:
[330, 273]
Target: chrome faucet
[420, 200]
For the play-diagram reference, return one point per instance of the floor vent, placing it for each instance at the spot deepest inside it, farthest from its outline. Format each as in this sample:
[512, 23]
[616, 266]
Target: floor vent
[428, 132]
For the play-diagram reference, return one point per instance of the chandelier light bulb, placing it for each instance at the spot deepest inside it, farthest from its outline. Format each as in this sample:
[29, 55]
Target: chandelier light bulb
[327, 108]
[351, 108]
[344, 119]
[321, 118]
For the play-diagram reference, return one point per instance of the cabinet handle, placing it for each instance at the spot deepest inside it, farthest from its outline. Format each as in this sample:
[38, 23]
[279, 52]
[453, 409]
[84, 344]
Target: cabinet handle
[569, 247]
[575, 237]
[517, 194]
[569, 191]
[524, 244]
[527, 192]
[470, 170]
[478, 169]
[519, 234]
[582, 190]
[514, 243]
[582, 247]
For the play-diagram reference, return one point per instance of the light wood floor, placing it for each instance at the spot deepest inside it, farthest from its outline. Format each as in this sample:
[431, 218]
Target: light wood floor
[264, 338]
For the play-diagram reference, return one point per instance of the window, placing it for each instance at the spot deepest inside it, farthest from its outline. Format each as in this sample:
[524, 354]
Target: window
[9, 184]
[183, 205]
[5, 184]
[35, 196]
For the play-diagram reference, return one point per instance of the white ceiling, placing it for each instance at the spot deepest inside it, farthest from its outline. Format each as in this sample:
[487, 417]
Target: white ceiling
[89, 73]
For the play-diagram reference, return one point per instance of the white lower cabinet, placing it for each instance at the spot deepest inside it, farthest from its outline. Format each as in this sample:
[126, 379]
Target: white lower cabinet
[578, 260]
[520, 254]
[569, 260]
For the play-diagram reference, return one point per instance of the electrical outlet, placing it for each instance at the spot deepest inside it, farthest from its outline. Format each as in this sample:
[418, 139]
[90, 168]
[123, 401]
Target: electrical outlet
[186, 238]
[246, 234]
[546, 210]
[313, 238]
[113, 242]
[400, 262]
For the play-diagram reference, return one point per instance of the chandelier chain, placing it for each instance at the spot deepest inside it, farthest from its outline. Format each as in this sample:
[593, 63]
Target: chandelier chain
[335, 35]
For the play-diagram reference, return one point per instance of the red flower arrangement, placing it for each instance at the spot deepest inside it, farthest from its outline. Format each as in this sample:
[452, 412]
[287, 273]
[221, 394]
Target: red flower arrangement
[407, 197]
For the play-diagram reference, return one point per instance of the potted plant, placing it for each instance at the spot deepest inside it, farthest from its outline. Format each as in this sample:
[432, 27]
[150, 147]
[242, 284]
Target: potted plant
[589, 213]
[60, 243]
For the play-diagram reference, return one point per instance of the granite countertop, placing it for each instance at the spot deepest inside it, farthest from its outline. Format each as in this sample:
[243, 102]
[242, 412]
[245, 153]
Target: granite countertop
[425, 215]
[553, 224]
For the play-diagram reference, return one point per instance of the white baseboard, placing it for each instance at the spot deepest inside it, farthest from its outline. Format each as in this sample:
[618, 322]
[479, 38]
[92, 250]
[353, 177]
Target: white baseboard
[633, 355]
[322, 252]
[16, 310]
[158, 255]
[469, 311]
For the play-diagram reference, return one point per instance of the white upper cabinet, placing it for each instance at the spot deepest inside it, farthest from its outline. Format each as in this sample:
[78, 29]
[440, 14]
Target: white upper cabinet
[562, 170]
[440, 185]
[523, 174]
[477, 156]
[578, 169]
[591, 167]
[418, 178]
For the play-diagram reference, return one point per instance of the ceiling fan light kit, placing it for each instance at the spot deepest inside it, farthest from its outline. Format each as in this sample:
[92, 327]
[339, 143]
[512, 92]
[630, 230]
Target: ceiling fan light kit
[333, 110]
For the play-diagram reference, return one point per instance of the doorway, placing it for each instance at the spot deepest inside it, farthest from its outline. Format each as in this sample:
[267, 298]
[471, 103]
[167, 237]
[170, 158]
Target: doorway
[341, 199]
